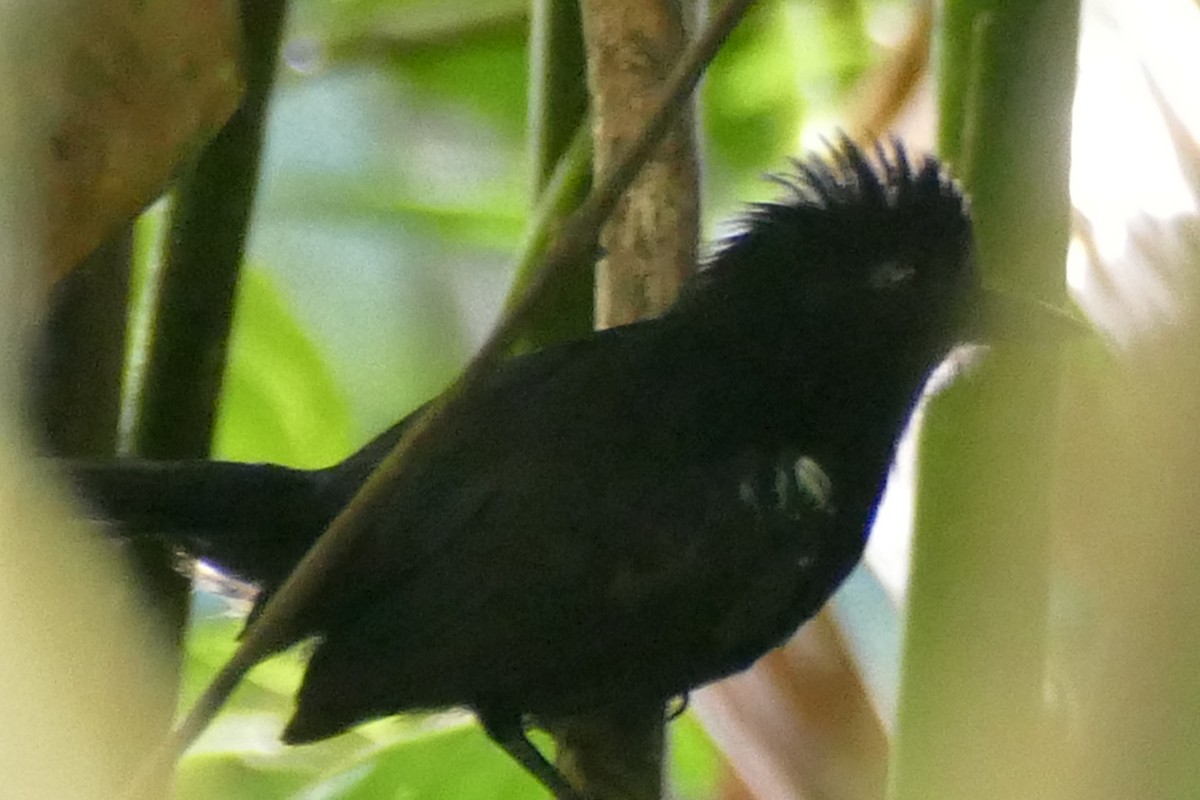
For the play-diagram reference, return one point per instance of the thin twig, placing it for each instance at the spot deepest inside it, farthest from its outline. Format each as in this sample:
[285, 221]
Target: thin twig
[272, 631]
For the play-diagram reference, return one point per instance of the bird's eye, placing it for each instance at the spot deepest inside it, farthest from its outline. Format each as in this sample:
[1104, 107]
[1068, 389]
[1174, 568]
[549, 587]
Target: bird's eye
[890, 275]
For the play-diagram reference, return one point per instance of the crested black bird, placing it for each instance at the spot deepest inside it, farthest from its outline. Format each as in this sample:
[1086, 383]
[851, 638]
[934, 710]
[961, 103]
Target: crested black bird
[625, 517]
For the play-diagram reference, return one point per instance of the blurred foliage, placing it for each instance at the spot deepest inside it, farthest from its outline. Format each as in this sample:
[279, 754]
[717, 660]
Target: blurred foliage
[285, 405]
[752, 102]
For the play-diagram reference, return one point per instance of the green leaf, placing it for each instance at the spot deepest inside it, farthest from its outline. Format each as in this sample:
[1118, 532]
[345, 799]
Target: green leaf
[695, 762]
[280, 402]
[269, 687]
[488, 73]
[231, 776]
[457, 761]
[472, 53]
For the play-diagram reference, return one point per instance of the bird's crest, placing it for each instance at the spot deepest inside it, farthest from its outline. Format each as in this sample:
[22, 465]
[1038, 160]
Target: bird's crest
[846, 211]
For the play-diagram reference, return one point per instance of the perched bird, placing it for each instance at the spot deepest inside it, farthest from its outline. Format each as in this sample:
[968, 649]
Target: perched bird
[625, 517]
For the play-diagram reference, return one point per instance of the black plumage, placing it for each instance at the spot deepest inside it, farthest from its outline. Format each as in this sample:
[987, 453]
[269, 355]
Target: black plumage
[628, 516]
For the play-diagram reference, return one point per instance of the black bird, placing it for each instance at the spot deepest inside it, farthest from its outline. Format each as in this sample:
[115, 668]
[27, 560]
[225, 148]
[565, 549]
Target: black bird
[622, 518]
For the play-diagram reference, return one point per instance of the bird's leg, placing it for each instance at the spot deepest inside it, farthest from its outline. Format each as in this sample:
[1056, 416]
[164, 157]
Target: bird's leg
[508, 732]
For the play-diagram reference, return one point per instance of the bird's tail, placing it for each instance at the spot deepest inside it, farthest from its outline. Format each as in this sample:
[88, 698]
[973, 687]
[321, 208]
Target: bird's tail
[253, 520]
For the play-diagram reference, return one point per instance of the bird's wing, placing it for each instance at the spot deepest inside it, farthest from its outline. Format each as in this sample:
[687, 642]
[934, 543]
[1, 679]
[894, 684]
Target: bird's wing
[660, 577]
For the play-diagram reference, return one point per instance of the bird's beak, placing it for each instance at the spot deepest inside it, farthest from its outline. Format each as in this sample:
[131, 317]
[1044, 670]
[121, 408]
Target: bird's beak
[1000, 316]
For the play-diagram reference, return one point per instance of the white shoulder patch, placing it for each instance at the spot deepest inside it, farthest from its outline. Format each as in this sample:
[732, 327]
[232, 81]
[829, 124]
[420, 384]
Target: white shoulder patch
[813, 479]
[793, 487]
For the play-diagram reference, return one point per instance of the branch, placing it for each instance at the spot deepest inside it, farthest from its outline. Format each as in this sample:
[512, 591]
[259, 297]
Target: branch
[649, 245]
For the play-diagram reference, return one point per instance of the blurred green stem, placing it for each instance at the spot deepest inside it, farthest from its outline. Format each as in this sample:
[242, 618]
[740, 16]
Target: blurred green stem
[177, 399]
[567, 311]
[560, 149]
[558, 98]
[971, 716]
[197, 282]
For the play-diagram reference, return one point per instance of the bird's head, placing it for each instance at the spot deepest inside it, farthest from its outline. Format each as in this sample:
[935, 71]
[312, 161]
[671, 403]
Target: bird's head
[870, 257]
